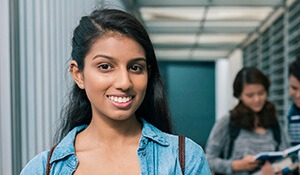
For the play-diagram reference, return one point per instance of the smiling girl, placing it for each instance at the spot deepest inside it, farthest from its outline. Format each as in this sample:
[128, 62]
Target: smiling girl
[117, 120]
[254, 123]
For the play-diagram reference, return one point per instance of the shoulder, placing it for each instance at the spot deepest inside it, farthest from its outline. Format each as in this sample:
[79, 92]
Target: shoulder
[194, 151]
[167, 145]
[195, 160]
[219, 134]
[36, 165]
[167, 140]
[222, 125]
[224, 120]
[294, 110]
[190, 145]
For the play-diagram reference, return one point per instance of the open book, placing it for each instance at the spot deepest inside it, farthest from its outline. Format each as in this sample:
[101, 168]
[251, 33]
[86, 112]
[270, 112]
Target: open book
[285, 166]
[277, 154]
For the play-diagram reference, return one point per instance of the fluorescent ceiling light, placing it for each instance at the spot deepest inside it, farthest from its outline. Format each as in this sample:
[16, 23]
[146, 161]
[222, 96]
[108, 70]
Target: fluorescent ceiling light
[178, 53]
[222, 38]
[238, 13]
[191, 13]
[174, 38]
[210, 53]
[173, 23]
[231, 23]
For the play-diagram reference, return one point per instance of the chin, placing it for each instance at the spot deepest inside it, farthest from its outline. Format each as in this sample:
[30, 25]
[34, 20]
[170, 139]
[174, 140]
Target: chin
[257, 110]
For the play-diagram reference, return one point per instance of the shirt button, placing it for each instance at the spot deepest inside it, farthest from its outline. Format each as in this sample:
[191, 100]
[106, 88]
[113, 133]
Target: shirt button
[73, 163]
[143, 154]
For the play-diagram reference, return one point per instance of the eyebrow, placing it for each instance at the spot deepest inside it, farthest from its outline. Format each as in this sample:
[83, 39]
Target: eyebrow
[103, 56]
[111, 58]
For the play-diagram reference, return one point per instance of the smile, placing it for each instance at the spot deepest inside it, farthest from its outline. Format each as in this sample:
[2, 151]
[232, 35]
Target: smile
[120, 99]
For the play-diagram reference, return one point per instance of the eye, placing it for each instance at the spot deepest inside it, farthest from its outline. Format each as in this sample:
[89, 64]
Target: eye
[294, 88]
[250, 95]
[136, 68]
[261, 93]
[104, 66]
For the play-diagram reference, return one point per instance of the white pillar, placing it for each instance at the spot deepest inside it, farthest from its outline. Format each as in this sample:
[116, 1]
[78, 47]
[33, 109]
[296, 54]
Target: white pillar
[235, 64]
[5, 93]
[221, 88]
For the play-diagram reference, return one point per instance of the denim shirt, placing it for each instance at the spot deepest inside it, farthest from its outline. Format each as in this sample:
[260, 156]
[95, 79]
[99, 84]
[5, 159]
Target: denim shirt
[157, 152]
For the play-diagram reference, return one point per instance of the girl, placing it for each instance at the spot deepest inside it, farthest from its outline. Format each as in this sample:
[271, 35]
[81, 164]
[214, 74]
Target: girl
[254, 124]
[117, 119]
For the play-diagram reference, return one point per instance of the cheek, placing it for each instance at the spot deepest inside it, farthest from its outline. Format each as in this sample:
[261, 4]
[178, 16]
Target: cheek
[249, 102]
[291, 91]
[264, 97]
[96, 84]
[246, 101]
[142, 85]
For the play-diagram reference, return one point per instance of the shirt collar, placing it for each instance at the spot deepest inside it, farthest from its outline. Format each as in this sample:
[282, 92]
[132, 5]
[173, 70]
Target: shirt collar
[66, 146]
[151, 132]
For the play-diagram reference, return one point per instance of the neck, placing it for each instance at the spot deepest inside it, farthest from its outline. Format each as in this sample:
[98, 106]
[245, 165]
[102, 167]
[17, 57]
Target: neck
[256, 121]
[111, 132]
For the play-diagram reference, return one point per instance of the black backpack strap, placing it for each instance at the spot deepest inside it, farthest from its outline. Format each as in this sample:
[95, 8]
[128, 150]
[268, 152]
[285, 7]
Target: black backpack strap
[181, 152]
[276, 134]
[233, 133]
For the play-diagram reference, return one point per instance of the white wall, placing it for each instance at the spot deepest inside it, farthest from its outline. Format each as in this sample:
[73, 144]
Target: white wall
[226, 70]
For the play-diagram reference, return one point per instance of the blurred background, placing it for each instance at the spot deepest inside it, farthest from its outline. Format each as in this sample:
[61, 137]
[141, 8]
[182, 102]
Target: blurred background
[200, 46]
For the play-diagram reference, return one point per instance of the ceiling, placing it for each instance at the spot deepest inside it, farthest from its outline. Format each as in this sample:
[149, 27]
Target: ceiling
[201, 29]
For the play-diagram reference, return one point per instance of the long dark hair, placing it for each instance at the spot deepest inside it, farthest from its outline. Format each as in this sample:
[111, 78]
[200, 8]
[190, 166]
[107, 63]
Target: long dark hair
[153, 109]
[241, 115]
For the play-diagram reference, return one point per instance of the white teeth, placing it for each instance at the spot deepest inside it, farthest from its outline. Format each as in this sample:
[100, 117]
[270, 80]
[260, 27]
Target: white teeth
[120, 99]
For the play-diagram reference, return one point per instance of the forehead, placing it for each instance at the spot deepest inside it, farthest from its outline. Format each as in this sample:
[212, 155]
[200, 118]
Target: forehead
[253, 88]
[116, 45]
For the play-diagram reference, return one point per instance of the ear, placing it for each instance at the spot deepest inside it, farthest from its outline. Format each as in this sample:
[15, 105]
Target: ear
[77, 75]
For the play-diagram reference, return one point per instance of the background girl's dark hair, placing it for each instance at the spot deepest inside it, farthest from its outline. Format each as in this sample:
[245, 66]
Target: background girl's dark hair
[294, 68]
[153, 109]
[242, 116]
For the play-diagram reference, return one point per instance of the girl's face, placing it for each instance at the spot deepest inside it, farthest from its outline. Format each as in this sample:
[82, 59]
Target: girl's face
[115, 77]
[254, 96]
[294, 90]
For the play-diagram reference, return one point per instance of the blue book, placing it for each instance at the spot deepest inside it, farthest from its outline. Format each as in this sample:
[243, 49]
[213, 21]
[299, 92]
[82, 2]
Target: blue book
[284, 166]
[271, 156]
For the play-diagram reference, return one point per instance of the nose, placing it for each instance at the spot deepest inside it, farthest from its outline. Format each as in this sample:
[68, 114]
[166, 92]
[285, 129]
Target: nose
[123, 80]
[298, 93]
[257, 98]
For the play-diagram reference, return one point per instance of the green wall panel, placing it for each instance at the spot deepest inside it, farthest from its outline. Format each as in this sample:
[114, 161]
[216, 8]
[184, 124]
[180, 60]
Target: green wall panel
[191, 95]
